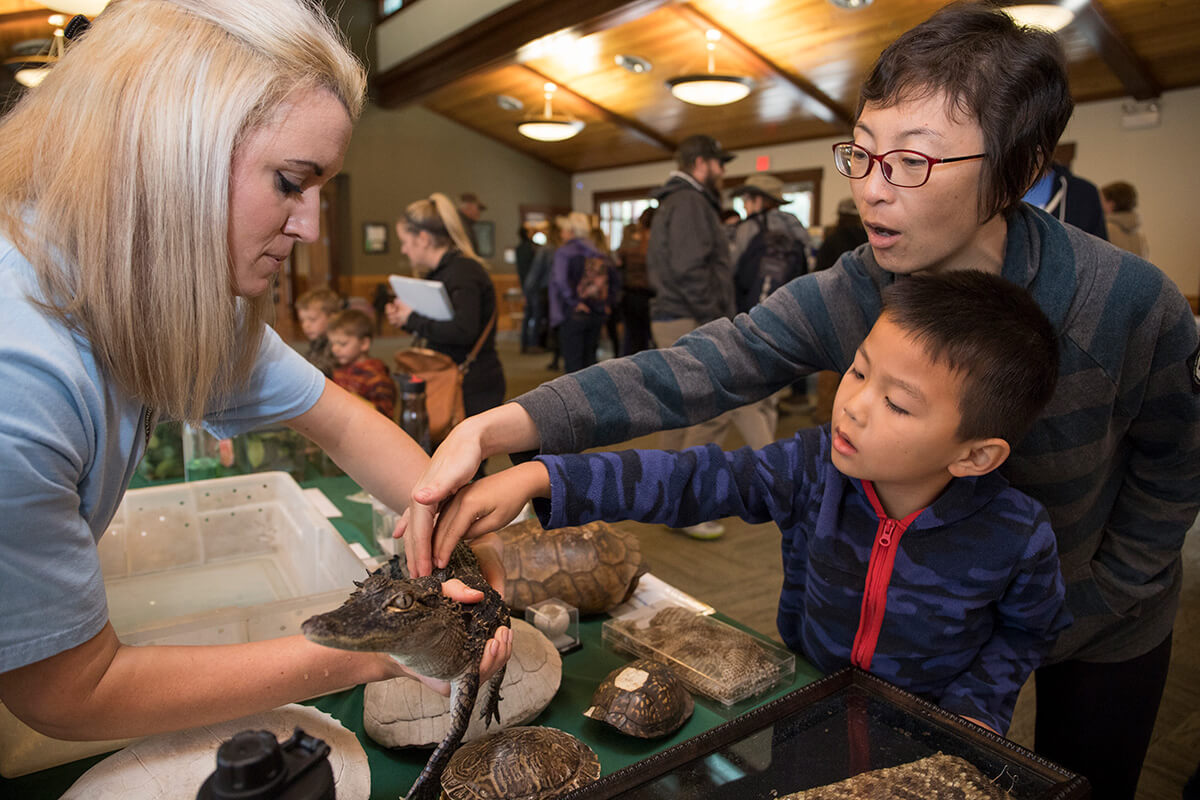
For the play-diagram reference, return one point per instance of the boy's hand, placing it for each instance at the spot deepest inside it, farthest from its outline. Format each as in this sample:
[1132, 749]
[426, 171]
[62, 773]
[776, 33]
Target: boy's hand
[484, 506]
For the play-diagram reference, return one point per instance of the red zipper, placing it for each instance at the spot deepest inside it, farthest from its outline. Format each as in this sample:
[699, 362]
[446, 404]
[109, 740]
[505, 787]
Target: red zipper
[879, 575]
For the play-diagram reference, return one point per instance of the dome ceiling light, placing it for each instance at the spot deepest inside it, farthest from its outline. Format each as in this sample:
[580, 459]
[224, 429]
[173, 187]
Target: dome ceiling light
[710, 88]
[1049, 16]
[549, 127]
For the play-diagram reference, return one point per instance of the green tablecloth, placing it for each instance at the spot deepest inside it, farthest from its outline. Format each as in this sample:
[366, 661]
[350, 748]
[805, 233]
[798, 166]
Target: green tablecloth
[393, 771]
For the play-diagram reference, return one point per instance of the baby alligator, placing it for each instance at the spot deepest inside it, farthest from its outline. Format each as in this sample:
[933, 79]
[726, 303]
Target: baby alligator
[428, 632]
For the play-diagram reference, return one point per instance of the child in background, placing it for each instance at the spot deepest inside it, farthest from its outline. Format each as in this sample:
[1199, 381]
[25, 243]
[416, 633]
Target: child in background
[315, 308]
[350, 342]
[896, 500]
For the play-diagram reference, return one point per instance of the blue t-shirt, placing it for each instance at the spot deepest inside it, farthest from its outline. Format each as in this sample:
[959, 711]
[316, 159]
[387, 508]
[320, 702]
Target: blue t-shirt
[71, 440]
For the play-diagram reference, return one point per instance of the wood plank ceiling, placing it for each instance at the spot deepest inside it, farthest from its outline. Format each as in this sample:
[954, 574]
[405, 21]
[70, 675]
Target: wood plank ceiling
[806, 58]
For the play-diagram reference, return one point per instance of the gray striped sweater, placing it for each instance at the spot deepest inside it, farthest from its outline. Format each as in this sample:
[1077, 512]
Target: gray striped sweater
[1115, 457]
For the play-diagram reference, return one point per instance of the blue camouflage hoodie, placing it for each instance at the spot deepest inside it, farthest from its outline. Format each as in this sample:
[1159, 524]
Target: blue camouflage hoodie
[958, 603]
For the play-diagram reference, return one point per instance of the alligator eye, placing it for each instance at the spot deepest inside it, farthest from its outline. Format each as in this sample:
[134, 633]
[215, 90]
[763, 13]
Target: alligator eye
[401, 602]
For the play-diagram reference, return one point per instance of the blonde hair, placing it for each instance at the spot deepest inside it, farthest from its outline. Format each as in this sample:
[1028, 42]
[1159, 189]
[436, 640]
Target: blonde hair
[322, 298]
[438, 216]
[115, 180]
[352, 322]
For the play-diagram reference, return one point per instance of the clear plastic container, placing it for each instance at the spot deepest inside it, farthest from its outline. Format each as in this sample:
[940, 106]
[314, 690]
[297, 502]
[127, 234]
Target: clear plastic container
[221, 561]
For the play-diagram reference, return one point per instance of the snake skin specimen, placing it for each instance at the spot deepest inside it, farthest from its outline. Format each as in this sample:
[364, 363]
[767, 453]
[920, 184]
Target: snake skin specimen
[721, 661]
[937, 777]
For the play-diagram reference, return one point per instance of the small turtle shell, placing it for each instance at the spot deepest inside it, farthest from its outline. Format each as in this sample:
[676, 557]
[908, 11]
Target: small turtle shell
[593, 567]
[522, 763]
[643, 698]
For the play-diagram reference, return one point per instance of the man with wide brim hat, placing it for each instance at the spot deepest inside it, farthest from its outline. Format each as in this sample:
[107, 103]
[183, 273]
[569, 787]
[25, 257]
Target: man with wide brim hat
[761, 185]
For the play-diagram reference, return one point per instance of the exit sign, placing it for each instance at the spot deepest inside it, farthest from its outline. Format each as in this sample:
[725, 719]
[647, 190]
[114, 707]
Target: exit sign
[762, 163]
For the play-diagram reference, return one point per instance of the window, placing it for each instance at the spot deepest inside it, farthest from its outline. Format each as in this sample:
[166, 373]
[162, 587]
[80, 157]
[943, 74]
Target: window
[621, 208]
[390, 7]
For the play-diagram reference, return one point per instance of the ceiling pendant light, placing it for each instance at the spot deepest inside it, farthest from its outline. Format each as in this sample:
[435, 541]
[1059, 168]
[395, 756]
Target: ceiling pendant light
[548, 127]
[1046, 15]
[30, 70]
[710, 89]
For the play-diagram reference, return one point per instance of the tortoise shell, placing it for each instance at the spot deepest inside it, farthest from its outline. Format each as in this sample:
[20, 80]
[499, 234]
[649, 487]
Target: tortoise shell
[644, 698]
[530, 763]
[593, 567]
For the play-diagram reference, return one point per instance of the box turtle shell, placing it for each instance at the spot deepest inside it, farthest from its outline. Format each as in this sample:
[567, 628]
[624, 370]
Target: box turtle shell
[523, 763]
[644, 698]
[594, 567]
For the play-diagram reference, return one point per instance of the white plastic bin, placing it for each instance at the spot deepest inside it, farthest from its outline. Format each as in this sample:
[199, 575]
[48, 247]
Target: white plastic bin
[220, 561]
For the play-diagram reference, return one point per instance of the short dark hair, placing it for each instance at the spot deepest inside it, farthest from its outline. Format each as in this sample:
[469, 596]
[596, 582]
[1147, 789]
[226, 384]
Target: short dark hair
[1010, 78]
[1121, 194]
[352, 321]
[993, 333]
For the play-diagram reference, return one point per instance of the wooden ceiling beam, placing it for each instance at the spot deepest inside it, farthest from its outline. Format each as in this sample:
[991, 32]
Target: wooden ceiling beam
[1094, 25]
[494, 41]
[643, 131]
[822, 105]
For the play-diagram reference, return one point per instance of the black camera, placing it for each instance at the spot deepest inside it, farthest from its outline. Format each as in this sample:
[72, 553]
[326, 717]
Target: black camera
[253, 765]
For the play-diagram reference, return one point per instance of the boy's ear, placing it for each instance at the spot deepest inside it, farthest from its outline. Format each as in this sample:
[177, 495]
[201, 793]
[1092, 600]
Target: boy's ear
[980, 457]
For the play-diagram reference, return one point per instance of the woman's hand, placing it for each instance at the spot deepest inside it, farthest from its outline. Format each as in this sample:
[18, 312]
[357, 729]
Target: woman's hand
[505, 429]
[398, 313]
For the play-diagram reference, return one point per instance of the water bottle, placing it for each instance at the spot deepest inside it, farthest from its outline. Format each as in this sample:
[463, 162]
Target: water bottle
[253, 765]
[414, 418]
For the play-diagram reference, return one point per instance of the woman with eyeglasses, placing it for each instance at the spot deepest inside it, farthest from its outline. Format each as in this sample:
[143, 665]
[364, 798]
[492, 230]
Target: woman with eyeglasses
[955, 121]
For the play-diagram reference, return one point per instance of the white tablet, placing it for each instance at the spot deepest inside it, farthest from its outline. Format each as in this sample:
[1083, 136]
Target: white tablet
[427, 298]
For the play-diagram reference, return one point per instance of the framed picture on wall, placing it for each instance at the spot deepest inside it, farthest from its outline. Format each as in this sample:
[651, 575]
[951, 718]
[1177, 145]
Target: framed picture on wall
[485, 237]
[375, 237]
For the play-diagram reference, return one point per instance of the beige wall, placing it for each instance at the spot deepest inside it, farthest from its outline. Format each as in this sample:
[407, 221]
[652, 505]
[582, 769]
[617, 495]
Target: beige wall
[1163, 163]
[396, 157]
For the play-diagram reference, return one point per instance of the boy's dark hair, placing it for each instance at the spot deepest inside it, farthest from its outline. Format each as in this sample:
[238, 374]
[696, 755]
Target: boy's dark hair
[353, 322]
[1121, 194]
[322, 297]
[990, 331]
[1009, 78]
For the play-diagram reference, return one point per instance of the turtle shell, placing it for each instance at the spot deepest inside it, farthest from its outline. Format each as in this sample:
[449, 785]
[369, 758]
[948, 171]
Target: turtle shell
[644, 698]
[523, 763]
[593, 567]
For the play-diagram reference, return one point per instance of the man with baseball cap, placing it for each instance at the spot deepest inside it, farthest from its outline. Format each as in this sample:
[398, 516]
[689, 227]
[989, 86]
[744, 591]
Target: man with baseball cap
[689, 264]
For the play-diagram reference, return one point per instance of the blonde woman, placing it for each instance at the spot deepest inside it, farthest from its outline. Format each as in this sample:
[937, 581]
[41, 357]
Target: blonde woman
[434, 240]
[190, 142]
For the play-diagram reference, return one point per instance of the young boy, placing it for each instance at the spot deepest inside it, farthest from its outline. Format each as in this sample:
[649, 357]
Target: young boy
[904, 551]
[315, 308]
[350, 342]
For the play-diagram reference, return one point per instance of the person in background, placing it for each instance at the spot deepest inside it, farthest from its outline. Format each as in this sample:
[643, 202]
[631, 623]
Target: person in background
[381, 295]
[1123, 221]
[470, 209]
[314, 309]
[581, 280]
[137, 257]
[357, 372]
[1070, 198]
[434, 241]
[770, 248]
[730, 218]
[898, 499]
[538, 286]
[635, 284]
[1115, 456]
[691, 270]
[616, 289]
[525, 251]
[844, 236]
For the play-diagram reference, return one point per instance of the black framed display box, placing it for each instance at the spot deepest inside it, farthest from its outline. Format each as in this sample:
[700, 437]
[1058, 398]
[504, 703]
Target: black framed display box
[837, 727]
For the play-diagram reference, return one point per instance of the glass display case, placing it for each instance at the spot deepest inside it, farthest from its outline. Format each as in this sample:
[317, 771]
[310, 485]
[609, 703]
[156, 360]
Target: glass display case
[840, 726]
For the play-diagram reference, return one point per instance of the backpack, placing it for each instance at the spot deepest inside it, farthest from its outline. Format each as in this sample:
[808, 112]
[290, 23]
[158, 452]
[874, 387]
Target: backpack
[771, 259]
[593, 282]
